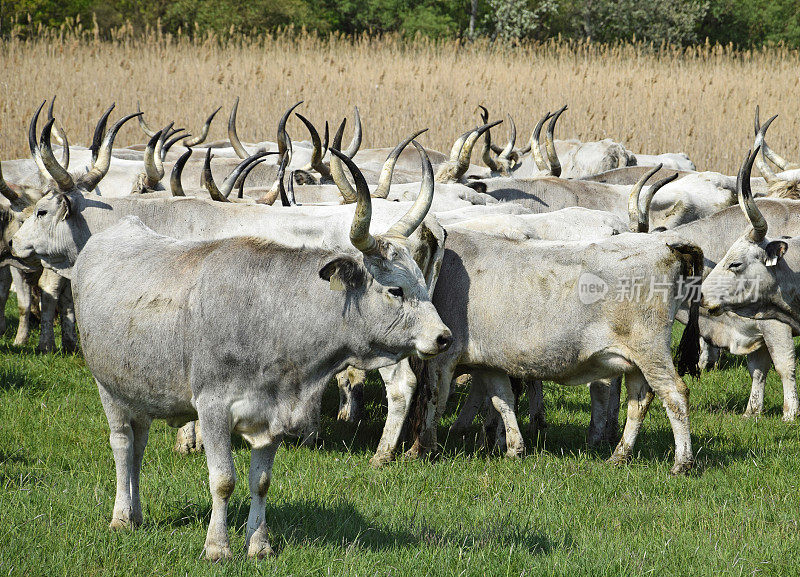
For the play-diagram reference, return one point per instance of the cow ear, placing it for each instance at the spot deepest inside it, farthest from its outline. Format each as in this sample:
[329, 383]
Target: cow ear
[64, 207]
[343, 273]
[775, 250]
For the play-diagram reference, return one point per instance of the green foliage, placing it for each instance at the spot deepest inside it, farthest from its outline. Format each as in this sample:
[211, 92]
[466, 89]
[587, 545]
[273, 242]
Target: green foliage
[744, 23]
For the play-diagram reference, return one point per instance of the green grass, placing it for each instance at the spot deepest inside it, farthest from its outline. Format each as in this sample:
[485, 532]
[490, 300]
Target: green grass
[560, 511]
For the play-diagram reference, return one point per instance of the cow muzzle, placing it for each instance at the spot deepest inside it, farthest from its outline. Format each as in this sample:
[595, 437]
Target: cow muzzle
[440, 343]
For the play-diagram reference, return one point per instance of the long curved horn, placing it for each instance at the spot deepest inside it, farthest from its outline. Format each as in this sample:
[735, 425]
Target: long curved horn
[763, 166]
[60, 136]
[142, 124]
[290, 190]
[647, 198]
[337, 173]
[360, 236]
[282, 136]
[325, 140]
[636, 222]
[466, 150]
[488, 146]
[240, 150]
[166, 132]
[176, 137]
[746, 202]
[243, 177]
[416, 214]
[552, 155]
[59, 174]
[279, 181]
[535, 146]
[230, 181]
[455, 150]
[506, 153]
[385, 179]
[485, 119]
[6, 190]
[317, 154]
[776, 159]
[100, 166]
[34, 147]
[355, 142]
[199, 139]
[99, 132]
[177, 171]
[152, 174]
[207, 179]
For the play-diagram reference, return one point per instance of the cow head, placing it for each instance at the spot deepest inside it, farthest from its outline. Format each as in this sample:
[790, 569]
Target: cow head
[52, 229]
[745, 280]
[387, 275]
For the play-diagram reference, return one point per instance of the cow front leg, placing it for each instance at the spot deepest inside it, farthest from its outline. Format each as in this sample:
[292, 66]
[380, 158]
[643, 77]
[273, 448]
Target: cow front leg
[400, 383]
[351, 394]
[188, 439]
[778, 338]
[639, 398]
[758, 364]
[213, 422]
[709, 355]
[121, 439]
[261, 460]
[24, 290]
[5, 288]
[66, 311]
[49, 283]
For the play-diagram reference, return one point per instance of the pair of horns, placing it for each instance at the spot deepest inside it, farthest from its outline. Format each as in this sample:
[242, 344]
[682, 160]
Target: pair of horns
[360, 236]
[506, 157]
[156, 152]
[534, 144]
[458, 163]
[222, 193]
[639, 205]
[746, 201]
[188, 141]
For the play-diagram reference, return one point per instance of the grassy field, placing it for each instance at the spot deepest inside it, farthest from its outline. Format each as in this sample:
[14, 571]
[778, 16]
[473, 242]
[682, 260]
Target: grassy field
[559, 511]
[699, 100]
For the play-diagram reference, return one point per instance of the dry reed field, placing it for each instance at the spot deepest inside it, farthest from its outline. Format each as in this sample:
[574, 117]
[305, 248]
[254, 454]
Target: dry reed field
[699, 101]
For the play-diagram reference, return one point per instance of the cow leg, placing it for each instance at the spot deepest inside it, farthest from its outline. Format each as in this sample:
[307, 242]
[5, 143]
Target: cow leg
[24, 291]
[400, 383]
[438, 377]
[213, 421]
[612, 414]
[351, 394]
[501, 394]
[66, 310]
[778, 338]
[141, 431]
[599, 394]
[709, 355]
[674, 395]
[121, 438]
[187, 439]
[257, 542]
[474, 402]
[639, 398]
[49, 283]
[536, 407]
[5, 288]
[758, 364]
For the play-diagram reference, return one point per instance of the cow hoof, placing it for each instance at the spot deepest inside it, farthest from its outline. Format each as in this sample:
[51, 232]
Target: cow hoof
[183, 448]
[790, 417]
[681, 468]
[749, 414]
[45, 348]
[414, 453]
[69, 348]
[515, 453]
[118, 524]
[259, 547]
[617, 459]
[378, 460]
[216, 552]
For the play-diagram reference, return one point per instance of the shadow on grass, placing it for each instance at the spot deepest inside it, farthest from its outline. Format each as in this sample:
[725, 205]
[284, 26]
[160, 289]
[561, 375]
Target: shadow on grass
[341, 525]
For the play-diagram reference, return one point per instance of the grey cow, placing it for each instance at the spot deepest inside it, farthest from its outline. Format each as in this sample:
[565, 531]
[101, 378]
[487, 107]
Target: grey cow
[302, 315]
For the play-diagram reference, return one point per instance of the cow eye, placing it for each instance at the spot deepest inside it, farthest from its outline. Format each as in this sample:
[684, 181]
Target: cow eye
[396, 291]
[735, 266]
[40, 213]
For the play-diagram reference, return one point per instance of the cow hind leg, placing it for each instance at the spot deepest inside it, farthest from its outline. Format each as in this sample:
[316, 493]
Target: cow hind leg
[221, 476]
[758, 364]
[351, 394]
[24, 291]
[5, 288]
[257, 541]
[536, 407]
[141, 431]
[188, 439]
[639, 398]
[599, 394]
[49, 284]
[66, 311]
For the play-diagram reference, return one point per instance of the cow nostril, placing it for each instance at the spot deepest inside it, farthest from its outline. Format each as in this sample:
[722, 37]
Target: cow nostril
[443, 341]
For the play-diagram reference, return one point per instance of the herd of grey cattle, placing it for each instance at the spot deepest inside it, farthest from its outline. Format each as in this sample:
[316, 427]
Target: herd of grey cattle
[228, 307]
